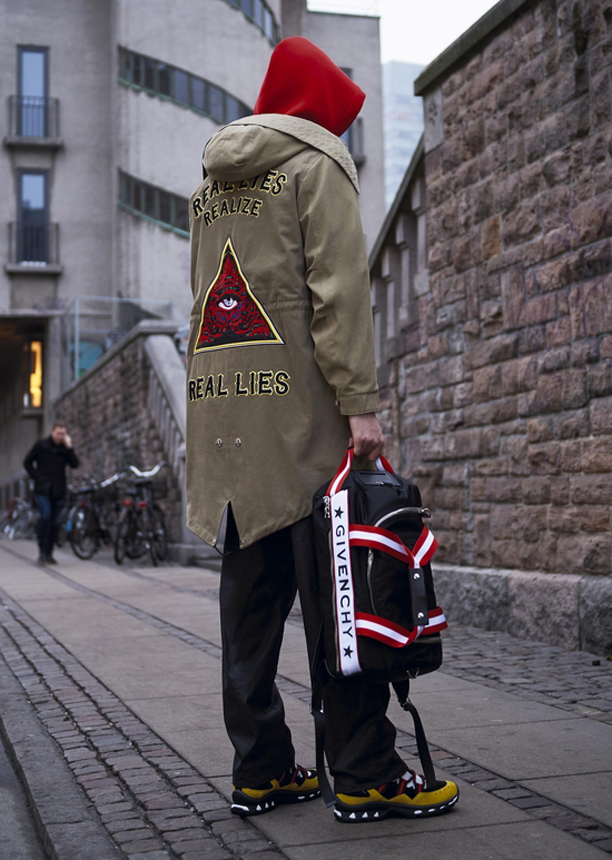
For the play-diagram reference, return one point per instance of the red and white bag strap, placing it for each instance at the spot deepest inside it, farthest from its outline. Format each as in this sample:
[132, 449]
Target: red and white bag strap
[386, 541]
[394, 635]
[339, 478]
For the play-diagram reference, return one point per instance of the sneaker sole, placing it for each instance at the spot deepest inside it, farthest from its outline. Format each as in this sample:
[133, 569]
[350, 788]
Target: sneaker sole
[378, 811]
[244, 805]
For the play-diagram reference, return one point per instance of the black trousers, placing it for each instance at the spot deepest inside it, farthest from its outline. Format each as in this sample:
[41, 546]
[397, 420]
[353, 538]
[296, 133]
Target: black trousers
[49, 511]
[258, 587]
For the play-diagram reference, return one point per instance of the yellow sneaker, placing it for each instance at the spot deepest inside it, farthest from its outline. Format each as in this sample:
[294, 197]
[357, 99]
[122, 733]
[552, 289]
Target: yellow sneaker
[405, 797]
[294, 786]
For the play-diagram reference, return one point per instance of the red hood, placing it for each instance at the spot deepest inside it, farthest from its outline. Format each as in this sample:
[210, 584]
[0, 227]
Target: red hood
[302, 81]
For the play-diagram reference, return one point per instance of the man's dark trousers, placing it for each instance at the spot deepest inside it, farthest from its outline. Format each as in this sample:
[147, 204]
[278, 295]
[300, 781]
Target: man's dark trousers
[49, 510]
[258, 587]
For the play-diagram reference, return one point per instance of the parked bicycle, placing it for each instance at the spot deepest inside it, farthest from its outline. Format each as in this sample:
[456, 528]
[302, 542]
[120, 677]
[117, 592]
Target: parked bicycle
[141, 527]
[61, 536]
[92, 518]
[19, 519]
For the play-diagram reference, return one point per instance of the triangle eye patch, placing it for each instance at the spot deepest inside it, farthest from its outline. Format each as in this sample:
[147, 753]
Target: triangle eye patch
[231, 315]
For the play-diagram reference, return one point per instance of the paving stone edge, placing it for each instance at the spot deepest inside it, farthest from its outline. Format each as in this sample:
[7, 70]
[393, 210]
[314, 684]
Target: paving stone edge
[49, 785]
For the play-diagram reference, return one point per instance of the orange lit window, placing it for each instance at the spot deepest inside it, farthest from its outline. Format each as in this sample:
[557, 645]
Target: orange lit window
[32, 396]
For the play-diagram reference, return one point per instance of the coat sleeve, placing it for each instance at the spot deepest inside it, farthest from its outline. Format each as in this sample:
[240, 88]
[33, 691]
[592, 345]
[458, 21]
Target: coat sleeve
[31, 458]
[71, 458]
[338, 279]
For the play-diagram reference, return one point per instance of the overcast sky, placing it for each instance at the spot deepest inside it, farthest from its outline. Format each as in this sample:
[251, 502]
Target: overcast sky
[414, 31]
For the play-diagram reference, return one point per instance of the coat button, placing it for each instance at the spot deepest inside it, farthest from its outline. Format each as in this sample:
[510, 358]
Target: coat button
[238, 443]
[219, 442]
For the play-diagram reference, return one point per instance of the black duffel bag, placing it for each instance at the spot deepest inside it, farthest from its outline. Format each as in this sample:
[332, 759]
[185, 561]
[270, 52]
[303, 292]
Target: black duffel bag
[376, 594]
[377, 598]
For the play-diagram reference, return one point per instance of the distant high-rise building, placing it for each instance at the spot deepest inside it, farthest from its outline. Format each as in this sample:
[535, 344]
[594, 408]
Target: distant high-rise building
[403, 122]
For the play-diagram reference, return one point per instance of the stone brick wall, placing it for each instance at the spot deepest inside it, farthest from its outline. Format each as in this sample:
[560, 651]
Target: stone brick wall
[107, 416]
[499, 401]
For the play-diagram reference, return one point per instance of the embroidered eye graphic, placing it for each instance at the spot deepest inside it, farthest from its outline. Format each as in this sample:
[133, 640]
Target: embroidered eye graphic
[228, 302]
[232, 315]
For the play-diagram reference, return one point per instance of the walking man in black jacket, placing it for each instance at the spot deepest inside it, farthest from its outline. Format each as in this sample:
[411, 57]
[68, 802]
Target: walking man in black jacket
[46, 465]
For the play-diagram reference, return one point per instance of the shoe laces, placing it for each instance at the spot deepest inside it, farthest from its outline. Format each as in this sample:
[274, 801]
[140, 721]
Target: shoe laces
[410, 783]
[297, 774]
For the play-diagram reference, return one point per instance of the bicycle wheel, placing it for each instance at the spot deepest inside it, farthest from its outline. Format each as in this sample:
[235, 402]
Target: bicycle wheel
[128, 541]
[23, 525]
[84, 533]
[160, 539]
[147, 527]
[120, 539]
[62, 529]
[5, 524]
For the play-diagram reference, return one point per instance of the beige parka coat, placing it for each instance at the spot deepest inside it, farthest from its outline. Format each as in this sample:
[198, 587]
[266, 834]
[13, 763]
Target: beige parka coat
[281, 336]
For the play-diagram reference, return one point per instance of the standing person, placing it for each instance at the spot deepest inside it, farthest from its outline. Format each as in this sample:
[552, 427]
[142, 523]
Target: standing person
[46, 465]
[281, 373]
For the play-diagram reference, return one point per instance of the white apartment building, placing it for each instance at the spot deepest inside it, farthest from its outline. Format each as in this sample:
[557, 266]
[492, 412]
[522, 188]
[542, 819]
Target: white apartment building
[107, 105]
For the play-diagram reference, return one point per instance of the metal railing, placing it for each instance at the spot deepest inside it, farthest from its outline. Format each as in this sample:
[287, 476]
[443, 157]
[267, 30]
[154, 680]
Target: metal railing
[92, 325]
[33, 117]
[33, 244]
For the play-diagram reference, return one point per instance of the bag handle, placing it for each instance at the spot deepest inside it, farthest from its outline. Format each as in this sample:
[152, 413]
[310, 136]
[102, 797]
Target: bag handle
[346, 465]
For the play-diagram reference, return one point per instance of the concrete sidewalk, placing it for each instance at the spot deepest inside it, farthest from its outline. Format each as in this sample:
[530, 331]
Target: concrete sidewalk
[111, 708]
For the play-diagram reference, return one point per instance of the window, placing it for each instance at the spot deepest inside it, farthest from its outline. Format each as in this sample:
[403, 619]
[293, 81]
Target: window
[180, 86]
[164, 79]
[269, 25]
[150, 198]
[353, 138]
[215, 103]
[165, 207]
[33, 376]
[32, 217]
[138, 68]
[233, 109]
[153, 203]
[150, 82]
[258, 12]
[198, 94]
[32, 78]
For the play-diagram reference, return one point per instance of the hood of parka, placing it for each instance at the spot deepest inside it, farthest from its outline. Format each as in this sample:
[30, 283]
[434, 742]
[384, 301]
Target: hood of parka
[305, 100]
[303, 81]
[240, 151]
[254, 144]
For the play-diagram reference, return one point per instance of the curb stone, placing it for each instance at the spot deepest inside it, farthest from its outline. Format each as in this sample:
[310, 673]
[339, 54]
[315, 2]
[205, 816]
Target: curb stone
[132, 772]
[61, 816]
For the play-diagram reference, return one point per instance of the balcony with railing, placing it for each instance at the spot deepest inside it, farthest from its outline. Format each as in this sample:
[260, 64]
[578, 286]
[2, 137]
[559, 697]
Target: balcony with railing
[33, 121]
[33, 249]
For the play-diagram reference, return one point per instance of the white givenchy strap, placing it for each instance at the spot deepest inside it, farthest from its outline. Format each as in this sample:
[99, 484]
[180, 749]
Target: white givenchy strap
[343, 585]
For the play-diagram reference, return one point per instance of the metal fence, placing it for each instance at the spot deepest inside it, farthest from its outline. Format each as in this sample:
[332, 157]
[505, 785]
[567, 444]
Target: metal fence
[33, 244]
[91, 325]
[33, 116]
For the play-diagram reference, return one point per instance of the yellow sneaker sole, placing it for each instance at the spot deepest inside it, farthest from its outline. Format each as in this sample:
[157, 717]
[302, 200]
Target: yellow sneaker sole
[357, 810]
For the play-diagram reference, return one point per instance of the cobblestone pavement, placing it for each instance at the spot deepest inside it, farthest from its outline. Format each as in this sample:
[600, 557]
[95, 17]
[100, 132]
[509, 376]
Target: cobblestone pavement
[570, 680]
[152, 802]
[156, 806]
